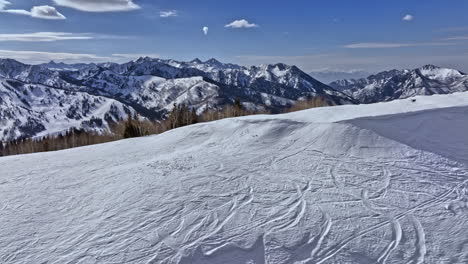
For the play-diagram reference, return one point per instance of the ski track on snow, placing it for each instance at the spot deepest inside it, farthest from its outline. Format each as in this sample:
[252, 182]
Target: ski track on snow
[272, 192]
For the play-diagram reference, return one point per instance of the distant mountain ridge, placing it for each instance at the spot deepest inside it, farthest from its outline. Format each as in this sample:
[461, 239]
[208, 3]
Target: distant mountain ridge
[61, 66]
[400, 84]
[329, 76]
[151, 87]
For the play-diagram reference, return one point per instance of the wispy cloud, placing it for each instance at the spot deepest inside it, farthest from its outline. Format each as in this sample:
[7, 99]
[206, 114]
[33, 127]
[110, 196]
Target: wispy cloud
[41, 57]
[133, 56]
[56, 36]
[456, 38]
[170, 13]
[205, 30]
[46, 37]
[35, 57]
[99, 5]
[453, 29]
[375, 45]
[241, 24]
[408, 17]
[384, 45]
[43, 12]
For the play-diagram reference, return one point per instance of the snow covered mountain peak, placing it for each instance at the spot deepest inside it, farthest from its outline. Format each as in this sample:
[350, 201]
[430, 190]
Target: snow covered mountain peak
[438, 73]
[213, 61]
[429, 67]
[387, 74]
[328, 76]
[196, 61]
[144, 59]
[9, 65]
[396, 84]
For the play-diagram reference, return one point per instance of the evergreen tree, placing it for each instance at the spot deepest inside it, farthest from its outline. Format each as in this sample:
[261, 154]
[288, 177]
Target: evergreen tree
[132, 129]
[194, 117]
[238, 107]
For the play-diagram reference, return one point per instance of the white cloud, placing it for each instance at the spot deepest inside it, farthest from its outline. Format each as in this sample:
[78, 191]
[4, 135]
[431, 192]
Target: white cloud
[408, 17]
[170, 13]
[99, 5]
[205, 30]
[241, 24]
[44, 12]
[45, 37]
[383, 45]
[3, 4]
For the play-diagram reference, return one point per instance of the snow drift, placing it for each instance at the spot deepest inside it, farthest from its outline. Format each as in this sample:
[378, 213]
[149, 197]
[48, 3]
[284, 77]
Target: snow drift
[381, 183]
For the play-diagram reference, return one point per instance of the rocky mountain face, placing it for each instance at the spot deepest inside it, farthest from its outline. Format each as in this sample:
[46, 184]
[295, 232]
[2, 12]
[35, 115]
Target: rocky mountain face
[36, 98]
[399, 84]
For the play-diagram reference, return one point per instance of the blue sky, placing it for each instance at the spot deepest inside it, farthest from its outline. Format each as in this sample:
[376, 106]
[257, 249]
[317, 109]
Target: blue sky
[315, 35]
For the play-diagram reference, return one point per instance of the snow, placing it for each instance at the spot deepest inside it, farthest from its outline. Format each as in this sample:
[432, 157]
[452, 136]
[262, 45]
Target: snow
[380, 183]
[348, 112]
[154, 85]
[441, 73]
[33, 110]
[395, 84]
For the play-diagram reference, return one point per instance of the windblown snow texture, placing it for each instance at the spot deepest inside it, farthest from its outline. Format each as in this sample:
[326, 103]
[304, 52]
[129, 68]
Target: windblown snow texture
[378, 183]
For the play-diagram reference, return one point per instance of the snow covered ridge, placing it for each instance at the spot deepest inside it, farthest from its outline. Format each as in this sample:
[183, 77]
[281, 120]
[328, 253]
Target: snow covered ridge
[32, 110]
[397, 84]
[380, 183]
[153, 86]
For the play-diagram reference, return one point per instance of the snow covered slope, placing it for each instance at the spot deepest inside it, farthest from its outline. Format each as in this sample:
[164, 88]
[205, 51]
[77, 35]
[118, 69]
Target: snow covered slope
[31, 110]
[396, 84]
[381, 183]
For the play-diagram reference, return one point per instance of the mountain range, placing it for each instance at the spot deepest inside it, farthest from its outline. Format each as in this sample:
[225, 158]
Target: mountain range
[37, 97]
[37, 100]
[400, 84]
[329, 76]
